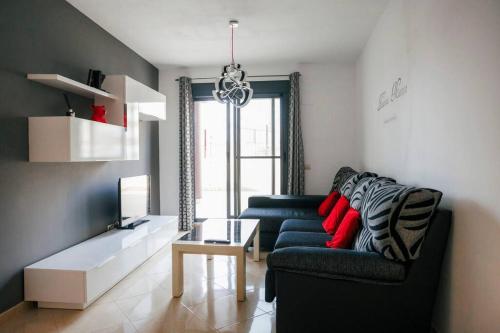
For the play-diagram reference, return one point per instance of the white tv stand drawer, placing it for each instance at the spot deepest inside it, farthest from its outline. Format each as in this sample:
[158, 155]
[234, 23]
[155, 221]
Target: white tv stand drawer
[77, 276]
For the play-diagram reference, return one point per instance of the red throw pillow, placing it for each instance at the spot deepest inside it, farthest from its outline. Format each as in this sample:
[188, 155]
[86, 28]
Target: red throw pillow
[326, 206]
[347, 230]
[332, 222]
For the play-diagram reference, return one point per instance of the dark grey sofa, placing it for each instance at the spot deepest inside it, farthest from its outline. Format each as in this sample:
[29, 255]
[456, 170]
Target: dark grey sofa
[273, 210]
[319, 289]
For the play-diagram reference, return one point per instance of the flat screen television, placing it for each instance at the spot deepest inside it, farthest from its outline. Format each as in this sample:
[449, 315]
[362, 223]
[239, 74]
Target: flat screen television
[133, 201]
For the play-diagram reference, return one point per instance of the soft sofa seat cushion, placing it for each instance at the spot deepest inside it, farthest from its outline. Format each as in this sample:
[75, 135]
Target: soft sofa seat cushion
[302, 225]
[339, 264]
[297, 238]
[395, 219]
[271, 218]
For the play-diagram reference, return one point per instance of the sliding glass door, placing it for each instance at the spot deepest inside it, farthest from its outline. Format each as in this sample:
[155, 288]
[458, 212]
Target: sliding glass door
[258, 159]
[239, 153]
[210, 159]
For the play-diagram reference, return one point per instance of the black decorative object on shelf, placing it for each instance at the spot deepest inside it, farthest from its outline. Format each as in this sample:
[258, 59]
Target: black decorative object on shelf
[95, 78]
[70, 112]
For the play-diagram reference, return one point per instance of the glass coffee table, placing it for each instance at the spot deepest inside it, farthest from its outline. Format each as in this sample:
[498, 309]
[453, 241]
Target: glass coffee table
[228, 237]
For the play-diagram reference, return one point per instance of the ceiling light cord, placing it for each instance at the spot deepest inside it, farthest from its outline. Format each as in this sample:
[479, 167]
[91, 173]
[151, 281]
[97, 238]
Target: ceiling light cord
[232, 44]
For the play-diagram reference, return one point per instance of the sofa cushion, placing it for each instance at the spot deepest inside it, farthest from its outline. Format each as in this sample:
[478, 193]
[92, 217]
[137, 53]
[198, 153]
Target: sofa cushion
[285, 201]
[271, 218]
[346, 233]
[395, 219]
[350, 184]
[327, 204]
[362, 241]
[302, 225]
[332, 222]
[297, 238]
[340, 177]
[361, 188]
[336, 264]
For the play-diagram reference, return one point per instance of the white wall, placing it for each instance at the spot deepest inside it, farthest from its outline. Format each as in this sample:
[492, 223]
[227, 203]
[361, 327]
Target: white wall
[444, 133]
[328, 123]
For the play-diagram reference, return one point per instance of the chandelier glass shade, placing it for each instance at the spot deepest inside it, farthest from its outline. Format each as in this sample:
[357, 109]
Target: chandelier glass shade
[230, 86]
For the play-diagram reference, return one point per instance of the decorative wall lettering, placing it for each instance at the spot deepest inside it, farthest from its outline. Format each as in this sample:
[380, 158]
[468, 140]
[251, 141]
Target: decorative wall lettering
[382, 100]
[399, 88]
[390, 119]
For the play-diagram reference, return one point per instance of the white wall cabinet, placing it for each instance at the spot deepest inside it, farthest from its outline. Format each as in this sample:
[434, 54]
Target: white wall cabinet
[149, 103]
[72, 139]
[76, 277]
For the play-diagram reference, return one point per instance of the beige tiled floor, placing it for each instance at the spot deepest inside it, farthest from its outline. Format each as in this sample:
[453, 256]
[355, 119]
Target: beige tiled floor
[143, 302]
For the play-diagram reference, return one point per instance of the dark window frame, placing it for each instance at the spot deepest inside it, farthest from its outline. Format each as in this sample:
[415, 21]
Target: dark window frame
[261, 89]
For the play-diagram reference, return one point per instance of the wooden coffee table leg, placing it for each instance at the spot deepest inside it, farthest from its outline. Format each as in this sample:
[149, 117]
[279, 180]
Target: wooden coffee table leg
[256, 245]
[241, 276]
[177, 272]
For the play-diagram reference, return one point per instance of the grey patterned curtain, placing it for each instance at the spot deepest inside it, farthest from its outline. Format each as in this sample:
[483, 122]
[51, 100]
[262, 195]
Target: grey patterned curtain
[186, 152]
[296, 182]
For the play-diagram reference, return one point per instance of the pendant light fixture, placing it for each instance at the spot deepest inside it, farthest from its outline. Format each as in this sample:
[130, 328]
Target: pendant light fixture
[231, 86]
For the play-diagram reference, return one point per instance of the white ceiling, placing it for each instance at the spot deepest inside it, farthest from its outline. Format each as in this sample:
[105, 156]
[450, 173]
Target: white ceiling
[196, 32]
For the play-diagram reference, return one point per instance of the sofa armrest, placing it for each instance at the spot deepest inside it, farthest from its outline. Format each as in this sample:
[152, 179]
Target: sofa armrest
[286, 201]
[337, 264]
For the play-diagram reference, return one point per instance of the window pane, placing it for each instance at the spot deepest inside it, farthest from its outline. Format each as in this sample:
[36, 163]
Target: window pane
[256, 178]
[256, 128]
[210, 159]
[277, 176]
[277, 127]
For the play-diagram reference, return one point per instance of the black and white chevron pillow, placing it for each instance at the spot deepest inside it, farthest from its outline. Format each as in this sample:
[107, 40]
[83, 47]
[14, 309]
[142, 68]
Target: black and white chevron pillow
[395, 219]
[350, 184]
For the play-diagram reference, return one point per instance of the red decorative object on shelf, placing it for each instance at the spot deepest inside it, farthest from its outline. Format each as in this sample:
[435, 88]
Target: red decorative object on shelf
[99, 113]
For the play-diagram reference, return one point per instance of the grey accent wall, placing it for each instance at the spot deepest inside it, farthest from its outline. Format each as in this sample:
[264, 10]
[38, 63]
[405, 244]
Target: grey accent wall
[47, 207]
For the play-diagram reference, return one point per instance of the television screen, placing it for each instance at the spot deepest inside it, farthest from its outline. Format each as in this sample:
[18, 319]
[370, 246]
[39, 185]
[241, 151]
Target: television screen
[133, 199]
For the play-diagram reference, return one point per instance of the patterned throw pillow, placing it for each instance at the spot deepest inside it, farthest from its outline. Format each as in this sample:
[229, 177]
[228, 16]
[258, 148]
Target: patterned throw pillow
[348, 187]
[362, 186]
[395, 219]
[340, 178]
[362, 242]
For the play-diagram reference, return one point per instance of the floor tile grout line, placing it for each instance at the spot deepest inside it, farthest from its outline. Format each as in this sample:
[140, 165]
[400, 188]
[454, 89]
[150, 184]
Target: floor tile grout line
[242, 321]
[125, 315]
[238, 321]
[198, 317]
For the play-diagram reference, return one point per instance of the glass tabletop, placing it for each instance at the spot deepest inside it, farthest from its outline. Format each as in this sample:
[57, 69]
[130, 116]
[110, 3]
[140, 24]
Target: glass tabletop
[234, 231]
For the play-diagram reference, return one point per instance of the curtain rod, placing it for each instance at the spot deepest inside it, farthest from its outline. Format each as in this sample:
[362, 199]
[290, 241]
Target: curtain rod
[213, 78]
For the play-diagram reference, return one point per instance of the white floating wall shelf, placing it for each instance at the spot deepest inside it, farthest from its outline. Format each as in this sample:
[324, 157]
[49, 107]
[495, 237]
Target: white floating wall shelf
[72, 139]
[63, 83]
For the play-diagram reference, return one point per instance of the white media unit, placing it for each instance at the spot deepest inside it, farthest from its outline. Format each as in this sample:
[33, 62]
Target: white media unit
[79, 275]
